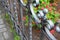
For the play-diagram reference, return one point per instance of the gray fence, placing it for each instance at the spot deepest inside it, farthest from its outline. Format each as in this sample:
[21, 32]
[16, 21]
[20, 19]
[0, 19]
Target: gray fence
[17, 11]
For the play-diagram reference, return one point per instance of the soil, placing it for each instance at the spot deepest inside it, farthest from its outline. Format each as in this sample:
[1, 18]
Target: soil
[38, 35]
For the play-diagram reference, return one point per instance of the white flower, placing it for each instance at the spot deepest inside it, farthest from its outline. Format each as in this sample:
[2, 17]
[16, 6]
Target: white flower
[40, 14]
[45, 10]
[57, 28]
[37, 2]
[34, 4]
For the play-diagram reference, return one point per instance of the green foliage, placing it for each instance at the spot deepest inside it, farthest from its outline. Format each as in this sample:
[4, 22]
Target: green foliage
[49, 5]
[52, 16]
[8, 19]
[26, 21]
[17, 38]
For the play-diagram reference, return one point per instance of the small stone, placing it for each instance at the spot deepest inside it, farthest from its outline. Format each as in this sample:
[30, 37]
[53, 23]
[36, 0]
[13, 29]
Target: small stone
[1, 21]
[3, 29]
[2, 26]
[0, 11]
[1, 36]
[6, 35]
[0, 16]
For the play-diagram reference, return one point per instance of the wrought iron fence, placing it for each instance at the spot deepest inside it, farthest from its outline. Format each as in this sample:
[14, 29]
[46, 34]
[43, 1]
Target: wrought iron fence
[16, 11]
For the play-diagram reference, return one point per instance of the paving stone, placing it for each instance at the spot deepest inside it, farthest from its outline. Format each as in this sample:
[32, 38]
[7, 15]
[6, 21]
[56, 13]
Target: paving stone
[3, 29]
[1, 36]
[0, 16]
[1, 21]
[6, 35]
[2, 26]
[0, 11]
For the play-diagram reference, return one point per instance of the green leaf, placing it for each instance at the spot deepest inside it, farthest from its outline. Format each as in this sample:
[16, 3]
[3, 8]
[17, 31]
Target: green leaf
[45, 1]
[17, 38]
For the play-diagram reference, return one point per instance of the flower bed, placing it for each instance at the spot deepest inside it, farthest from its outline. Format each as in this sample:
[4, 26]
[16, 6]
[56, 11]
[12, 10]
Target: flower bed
[51, 15]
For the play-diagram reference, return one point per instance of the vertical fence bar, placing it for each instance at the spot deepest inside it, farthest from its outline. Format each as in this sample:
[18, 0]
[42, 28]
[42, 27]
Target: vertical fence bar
[30, 28]
[22, 22]
[30, 20]
[16, 16]
[15, 11]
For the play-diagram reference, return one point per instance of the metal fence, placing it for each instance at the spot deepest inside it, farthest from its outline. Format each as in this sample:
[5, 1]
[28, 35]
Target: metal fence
[17, 11]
